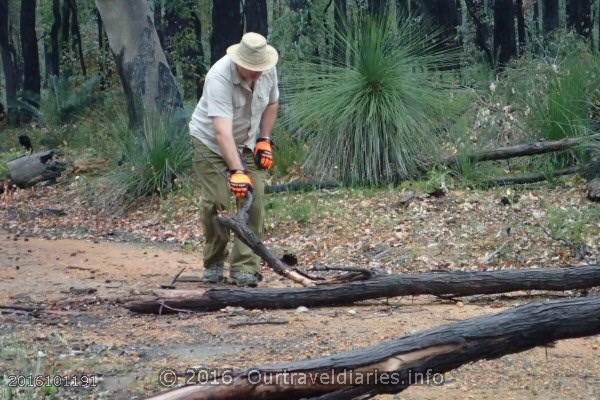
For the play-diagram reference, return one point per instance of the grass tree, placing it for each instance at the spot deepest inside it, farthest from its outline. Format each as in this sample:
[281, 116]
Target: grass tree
[372, 122]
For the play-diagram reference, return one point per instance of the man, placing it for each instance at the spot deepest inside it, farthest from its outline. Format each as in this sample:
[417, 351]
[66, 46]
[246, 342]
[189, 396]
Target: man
[231, 133]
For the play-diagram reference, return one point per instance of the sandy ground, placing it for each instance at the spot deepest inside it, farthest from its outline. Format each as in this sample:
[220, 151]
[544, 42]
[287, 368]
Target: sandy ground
[92, 336]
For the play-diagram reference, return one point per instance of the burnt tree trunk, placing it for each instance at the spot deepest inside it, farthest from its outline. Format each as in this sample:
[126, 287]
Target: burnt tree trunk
[433, 351]
[227, 27]
[256, 16]
[31, 61]
[579, 17]
[9, 66]
[477, 12]
[76, 35]
[444, 13]
[504, 31]
[340, 15]
[65, 29]
[551, 16]
[147, 80]
[521, 26]
[381, 286]
[54, 64]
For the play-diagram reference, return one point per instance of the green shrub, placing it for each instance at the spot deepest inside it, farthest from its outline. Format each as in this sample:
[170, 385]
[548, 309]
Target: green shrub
[63, 101]
[289, 152]
[372, 122]
[155, 157]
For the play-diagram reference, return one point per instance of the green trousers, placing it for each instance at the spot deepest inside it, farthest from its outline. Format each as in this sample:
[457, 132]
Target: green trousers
[210, 174]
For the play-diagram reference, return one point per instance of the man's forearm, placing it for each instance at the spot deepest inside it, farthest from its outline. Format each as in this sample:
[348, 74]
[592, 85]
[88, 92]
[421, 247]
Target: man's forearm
[268, 119]
[224, 138]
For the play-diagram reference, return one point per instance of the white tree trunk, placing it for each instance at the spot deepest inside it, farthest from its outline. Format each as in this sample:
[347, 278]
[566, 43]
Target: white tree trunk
[147, 79]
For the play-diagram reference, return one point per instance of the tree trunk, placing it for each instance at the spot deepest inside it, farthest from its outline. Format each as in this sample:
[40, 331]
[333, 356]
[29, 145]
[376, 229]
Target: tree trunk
[227, 27]
[76, 35]
[65, 33]
[551, 16]
[381, 286]
[256, 16]
[200, 70]
[423, 354]
[147, 80]
[521, 26]
[444, 13]
[54, 63]
[579, 17]
[340, 14]
[504, 31]
[478, 14]
[9, 66]
[31, 61]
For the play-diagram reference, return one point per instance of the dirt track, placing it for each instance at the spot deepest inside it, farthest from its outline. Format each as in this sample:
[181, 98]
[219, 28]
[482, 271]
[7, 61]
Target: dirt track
[127, 351]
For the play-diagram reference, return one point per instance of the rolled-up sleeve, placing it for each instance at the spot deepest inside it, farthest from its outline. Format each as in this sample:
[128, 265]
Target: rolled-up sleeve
[274, 93]
[219, 97]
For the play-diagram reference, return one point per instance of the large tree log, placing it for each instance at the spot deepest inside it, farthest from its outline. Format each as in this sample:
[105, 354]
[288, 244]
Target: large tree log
[147, 80]
[380, 286]
[593, 188]
[27, 171]
[396, 363]
[503, 153]
[530, 178]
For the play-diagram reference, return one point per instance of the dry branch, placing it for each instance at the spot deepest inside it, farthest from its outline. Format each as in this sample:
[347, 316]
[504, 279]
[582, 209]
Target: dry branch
[529, 178]
[343, 376]
[455, 284]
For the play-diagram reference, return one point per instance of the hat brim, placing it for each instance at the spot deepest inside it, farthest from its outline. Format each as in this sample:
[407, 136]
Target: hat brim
[270, 61]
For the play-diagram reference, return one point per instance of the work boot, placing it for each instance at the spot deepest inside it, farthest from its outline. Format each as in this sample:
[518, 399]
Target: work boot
[243, 279]
[213, 274]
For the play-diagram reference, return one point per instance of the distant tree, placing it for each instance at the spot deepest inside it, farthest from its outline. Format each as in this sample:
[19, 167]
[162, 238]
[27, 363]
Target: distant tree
[579, 17]
[504, 30]
[551, 16]
[9, 65]
[54, 55]
[256, 16]
[76, 42]
[29, 49]
[477, 12]
[227, 27]
[445, 14]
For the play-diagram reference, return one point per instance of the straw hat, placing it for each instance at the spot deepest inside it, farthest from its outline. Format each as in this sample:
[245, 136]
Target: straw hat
[253, 53]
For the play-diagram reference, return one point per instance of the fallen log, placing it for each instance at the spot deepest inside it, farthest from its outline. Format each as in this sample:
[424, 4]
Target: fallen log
[26, 171]
[503, 153]
[392, 366]
[529, 178]
[453, 284]
[302, 186]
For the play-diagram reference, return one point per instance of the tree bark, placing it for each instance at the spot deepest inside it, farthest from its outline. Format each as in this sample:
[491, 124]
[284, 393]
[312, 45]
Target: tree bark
[477, 12]
[9, 66]
[227, 27]
[551, 16]
[521, 150]
[31, 61]
[521, 26]
[256, 16]
[147, 80]
[381, 286]
[593, 188]
[76, 35]
[579, 17]
[65, 29]
[504, 31]
[429, 352]
[445, 14]
[54, 39]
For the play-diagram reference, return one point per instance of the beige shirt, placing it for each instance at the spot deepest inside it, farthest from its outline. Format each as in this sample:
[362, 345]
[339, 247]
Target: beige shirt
[226, 95]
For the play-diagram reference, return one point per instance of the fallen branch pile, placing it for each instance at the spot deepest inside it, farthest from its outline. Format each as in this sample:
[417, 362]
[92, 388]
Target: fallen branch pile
[344, 376]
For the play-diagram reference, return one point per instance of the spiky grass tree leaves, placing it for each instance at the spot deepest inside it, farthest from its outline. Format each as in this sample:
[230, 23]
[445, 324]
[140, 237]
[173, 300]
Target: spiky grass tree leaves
[372, 122]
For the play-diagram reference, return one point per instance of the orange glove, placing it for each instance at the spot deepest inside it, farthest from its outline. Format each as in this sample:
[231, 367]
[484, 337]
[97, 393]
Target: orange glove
[263, 153]
[239, 183]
